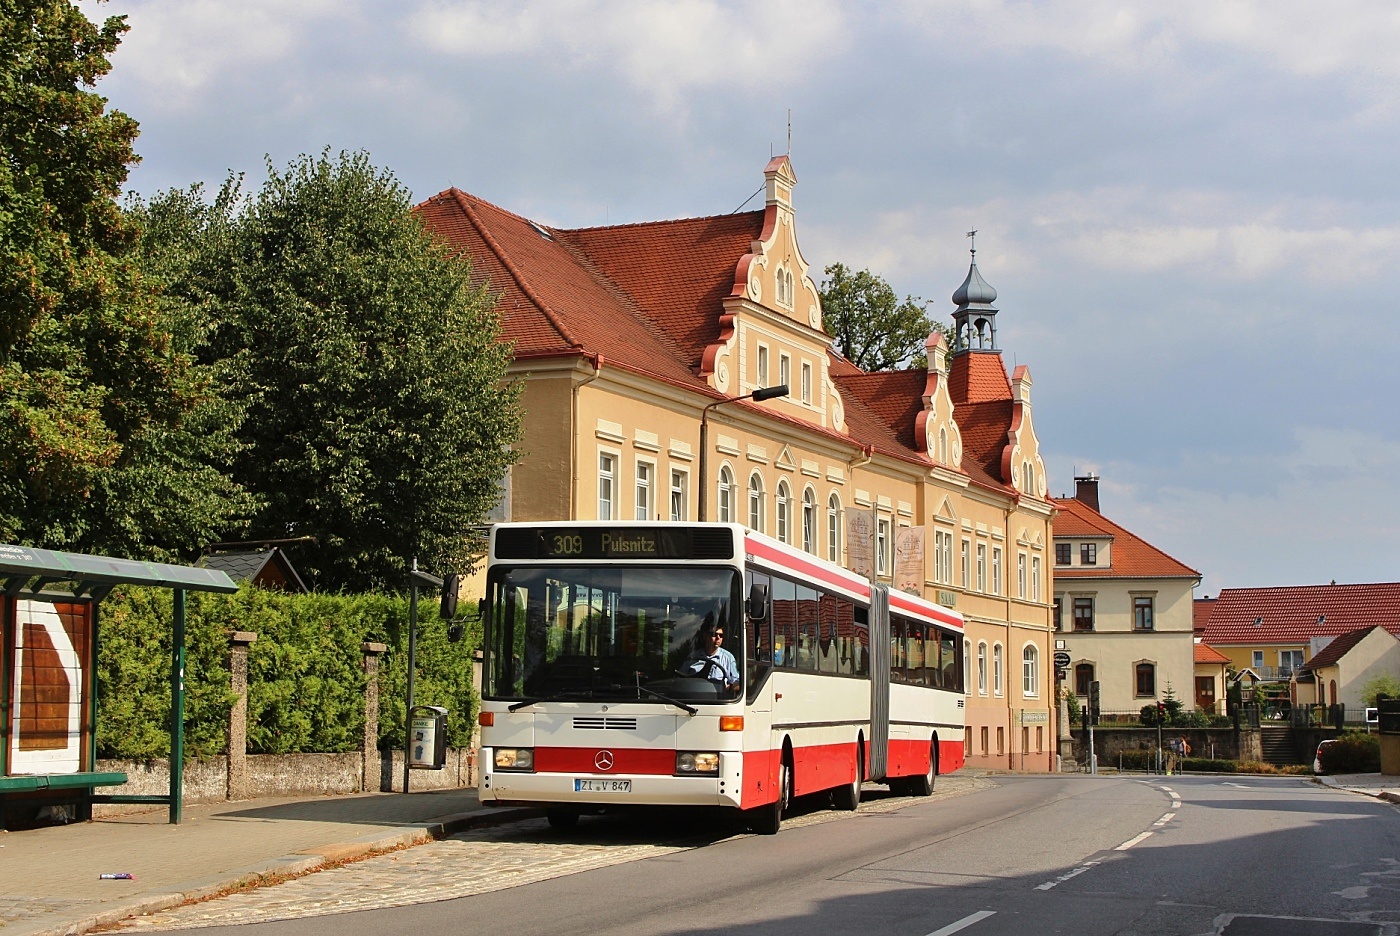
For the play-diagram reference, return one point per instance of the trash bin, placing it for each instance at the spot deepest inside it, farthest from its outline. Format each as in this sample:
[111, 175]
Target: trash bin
[427, 749]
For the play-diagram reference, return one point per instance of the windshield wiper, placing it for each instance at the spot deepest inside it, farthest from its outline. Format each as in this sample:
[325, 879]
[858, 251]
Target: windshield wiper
[563, 696]
[665, 698]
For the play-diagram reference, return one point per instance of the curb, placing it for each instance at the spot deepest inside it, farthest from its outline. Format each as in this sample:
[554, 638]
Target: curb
[277, 870]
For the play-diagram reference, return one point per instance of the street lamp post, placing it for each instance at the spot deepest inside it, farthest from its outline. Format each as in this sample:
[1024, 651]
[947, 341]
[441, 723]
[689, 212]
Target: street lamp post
[763, 393]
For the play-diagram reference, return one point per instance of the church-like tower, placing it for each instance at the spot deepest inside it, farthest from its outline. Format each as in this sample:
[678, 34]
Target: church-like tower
[975, 321]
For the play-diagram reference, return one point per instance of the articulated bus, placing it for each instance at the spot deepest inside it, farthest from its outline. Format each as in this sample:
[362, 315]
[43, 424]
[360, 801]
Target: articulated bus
[592, 699]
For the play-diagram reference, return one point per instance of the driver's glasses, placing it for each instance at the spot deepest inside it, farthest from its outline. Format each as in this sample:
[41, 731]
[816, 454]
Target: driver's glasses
[717, 636]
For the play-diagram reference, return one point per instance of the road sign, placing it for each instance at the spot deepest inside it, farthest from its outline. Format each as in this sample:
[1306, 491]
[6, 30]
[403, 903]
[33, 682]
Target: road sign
[1061, 658]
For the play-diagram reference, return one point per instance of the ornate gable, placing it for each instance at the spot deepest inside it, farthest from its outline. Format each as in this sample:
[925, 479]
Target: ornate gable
[935, 431]
[1021, 465]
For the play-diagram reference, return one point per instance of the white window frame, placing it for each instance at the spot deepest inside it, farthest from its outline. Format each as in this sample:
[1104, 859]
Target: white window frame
[806, 382]
[762, 366]
[757, 495]
[998, 670]
[644, 503]
[784, 527]
[726, 494]
[607, 484]
[996, 570]
[884, 546]
[1030, 671]
[833, 528]
[981, 668]
[966, 563]
[680, 494]
[1021, 575]
[967, 666]
[1035, 578]
[809, 520]
[784, 369]
[982, 567]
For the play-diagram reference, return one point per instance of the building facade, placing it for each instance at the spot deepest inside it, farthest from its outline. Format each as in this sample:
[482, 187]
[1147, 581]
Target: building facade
[638, 345]
[1122, 608]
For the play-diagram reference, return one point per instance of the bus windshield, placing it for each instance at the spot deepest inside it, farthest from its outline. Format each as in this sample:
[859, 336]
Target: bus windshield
[609, 632]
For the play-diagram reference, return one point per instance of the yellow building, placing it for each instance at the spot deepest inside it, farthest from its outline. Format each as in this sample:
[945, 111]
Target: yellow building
[638, 344]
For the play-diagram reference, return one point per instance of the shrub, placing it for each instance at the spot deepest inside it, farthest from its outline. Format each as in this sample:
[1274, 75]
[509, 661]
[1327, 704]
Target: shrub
[1352, 752]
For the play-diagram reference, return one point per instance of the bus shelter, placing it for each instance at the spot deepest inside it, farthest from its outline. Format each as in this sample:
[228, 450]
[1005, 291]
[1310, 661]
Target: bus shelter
[49, 633]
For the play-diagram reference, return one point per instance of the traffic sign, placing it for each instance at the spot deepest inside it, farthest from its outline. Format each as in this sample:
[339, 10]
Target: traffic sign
[1061, 658]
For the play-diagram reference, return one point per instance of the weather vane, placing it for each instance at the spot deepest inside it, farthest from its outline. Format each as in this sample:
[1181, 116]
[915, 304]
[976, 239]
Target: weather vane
[973, 234]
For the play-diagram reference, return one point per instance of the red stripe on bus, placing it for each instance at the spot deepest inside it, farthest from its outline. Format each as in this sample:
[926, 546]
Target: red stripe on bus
[588, 760]
[906, 603]
[797, 564]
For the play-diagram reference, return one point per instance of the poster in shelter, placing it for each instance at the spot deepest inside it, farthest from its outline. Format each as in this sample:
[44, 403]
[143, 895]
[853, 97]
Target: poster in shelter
[51, 642]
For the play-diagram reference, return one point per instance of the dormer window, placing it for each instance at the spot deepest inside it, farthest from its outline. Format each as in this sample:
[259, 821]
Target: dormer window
[784, 287]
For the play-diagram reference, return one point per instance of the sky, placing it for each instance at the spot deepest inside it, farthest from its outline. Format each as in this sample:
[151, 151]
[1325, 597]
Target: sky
[1190, 210]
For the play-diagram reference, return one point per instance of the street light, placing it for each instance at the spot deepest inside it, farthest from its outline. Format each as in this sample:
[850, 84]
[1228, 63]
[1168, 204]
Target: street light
[763, 393]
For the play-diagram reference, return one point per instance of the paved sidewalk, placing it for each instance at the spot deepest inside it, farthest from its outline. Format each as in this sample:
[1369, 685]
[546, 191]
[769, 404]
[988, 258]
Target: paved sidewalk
[49, 878]
[1372, 784]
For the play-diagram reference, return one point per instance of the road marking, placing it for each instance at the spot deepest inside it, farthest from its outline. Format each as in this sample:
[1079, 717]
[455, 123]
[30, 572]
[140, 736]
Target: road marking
[1238, 786]
[1163, 821]
[964, 923]
[1065, 877]
[1133, 841]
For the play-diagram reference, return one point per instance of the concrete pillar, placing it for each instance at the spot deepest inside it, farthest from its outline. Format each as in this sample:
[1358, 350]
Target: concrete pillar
[238, 642]
[369, 775]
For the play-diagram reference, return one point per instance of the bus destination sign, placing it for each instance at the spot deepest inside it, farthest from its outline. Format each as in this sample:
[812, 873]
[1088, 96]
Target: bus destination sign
[592, 542]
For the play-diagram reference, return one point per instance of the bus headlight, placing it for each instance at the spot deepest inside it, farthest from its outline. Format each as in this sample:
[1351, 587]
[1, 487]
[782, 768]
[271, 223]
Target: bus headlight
[689, 763]
[508, 758]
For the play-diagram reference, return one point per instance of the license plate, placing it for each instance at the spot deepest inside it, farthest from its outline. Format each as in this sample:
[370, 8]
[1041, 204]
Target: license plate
[602, 786]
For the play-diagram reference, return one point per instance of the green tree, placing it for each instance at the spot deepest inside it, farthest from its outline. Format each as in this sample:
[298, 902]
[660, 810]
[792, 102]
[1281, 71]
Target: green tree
[1380, 684]
[370, 369]
[111, 439]
[868, 323]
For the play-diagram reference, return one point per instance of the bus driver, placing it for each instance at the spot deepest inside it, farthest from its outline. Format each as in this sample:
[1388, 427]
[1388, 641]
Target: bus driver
[711, 661]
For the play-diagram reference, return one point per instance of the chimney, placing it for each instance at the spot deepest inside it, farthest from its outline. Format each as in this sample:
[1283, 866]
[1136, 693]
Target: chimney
[1086, 490]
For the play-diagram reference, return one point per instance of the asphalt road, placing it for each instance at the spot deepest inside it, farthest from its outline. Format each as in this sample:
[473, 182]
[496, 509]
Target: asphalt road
[1016, 856]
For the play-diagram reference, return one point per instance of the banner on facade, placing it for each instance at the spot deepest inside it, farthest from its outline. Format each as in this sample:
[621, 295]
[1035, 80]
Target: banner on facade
[909, 559]
[860, 531]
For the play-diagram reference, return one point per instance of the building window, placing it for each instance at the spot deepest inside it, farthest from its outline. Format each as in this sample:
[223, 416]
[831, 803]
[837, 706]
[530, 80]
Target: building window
[1084, 613]
[967, 664]
[644, 477]
[1020, 575]
[1142, 612]
[996, 570]
[1258, 659]
[833, 528]
[756, 502]
[785, 370]
[726, 495]
[784, 512]
[806, 382]
[1035, 578]
[762, 366]
[943, 557]
[982, 567]
[1030, 671]
[1062, 554]
[884, 545]
[1088, 554]
[1289, 662]
[981, 669]
[607, 480]
[1146, 680]
[809, 521]
[942, 445]
[997, 671]
[680, 495]
[1059, 613]
[966, 563]
[1083, 678]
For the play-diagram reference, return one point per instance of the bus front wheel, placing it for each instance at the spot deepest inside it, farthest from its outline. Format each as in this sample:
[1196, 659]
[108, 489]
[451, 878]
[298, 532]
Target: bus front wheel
[768, 819]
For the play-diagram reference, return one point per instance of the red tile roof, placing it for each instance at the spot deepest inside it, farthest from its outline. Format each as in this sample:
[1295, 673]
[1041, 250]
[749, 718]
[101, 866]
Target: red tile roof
[1208, 654]
[649, 298]
[1338, 648]
[1131, 556]
[1200, 613]
[1297, 613]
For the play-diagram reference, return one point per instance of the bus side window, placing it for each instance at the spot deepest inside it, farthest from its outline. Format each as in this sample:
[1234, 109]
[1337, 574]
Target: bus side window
[784, 617]
[861, 649]
[828, 646]
[807, 621]
[897, 659]
[914, 666]
[845, 637]
[761, 632]
[952, 671]
[933, 663]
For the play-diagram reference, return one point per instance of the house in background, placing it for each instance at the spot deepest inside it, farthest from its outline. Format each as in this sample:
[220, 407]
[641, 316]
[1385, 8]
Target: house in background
[1122, 606]
[1338, 672]
[628, 337]
[1275, 632]
[267, 568]
[1211, 672]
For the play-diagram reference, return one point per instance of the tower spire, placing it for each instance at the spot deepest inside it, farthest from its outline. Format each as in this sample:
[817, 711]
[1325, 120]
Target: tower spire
[975, 320]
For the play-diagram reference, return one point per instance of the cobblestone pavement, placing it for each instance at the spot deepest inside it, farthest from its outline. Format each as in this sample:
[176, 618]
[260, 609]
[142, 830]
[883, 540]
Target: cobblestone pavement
[487, 860]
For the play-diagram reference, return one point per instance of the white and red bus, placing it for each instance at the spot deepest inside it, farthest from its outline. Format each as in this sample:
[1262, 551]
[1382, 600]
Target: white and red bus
[588, 702]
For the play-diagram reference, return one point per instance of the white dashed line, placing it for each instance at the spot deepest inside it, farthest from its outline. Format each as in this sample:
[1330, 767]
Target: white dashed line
[1065, 877]
[1133, 841]
[964, 923]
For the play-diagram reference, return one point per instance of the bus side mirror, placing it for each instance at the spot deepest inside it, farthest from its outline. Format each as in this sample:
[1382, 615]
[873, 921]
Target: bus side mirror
[758, 603]
[450, 584]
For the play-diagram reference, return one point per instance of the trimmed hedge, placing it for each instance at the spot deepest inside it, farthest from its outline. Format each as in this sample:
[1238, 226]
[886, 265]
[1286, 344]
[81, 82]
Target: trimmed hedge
[1352, 752]
[306, 678]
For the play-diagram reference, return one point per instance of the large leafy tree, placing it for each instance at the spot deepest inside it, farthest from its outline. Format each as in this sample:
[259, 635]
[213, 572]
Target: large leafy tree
[869, 324]
[111, 436]
[378, 414]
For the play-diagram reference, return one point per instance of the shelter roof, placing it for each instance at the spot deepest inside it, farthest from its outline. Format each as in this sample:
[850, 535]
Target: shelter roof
[1295, 614]
[24, 567]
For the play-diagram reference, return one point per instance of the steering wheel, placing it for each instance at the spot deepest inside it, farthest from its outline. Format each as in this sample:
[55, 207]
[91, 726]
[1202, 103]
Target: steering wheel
[705, 671]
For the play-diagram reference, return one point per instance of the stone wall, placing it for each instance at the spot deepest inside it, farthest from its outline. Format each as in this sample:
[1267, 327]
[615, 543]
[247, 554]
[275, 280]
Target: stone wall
[1222, 743]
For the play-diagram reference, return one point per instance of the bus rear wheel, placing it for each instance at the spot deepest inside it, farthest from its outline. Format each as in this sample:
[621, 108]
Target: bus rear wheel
[848, 797]
[768, 819]
[562, 818]
[923, 786]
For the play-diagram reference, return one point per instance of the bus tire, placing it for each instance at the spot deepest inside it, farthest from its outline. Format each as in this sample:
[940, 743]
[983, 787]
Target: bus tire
[768, 819]
[848, 797]
[923, 786]
[562, 819]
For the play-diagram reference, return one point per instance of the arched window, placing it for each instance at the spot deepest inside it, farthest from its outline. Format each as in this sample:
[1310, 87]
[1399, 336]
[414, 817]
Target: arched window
[981, 669]
[726, 495]
[942, 445]
[809, 520]
[784, 512]
[833, 528]
[967, 665]
[1030, 671]
[756, 502]
[998, 687]
[1145, 679]
[1083, 677]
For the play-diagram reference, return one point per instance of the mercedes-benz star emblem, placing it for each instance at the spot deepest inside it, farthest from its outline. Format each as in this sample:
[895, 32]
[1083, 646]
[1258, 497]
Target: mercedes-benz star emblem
[603, 760]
